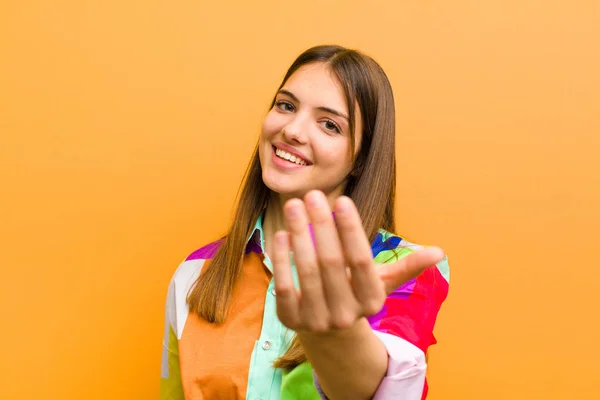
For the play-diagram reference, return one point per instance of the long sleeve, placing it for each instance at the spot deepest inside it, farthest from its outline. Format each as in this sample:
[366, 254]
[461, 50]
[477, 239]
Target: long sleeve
[405, 326]
[170, 380]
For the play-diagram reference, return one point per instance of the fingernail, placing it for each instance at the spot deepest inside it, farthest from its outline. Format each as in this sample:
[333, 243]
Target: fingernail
[313, 199]
[342, 206]
[293, 210]
[440, 253]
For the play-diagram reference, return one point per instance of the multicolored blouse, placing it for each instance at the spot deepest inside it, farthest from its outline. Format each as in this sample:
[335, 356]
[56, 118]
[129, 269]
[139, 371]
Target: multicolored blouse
[234, 360]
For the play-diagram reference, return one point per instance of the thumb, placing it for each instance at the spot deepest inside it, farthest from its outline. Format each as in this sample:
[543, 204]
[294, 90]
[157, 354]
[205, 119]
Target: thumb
[403, 270]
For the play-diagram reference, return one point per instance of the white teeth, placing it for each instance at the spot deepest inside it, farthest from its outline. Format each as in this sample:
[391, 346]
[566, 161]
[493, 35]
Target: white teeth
[287, 156]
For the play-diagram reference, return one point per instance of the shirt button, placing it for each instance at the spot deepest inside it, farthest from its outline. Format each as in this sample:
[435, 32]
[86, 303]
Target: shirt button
[273, 292]
[266, 345]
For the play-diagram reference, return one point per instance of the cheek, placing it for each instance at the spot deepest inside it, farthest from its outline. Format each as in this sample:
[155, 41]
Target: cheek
[271, 125]
[335, 154]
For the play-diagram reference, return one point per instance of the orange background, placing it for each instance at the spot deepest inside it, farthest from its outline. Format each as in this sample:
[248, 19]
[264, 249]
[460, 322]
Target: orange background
[126, 127]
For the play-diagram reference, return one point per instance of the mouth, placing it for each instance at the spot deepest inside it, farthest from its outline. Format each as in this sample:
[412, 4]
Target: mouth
[289, 157]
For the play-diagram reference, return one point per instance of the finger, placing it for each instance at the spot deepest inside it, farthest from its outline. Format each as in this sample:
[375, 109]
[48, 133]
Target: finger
[395, 274]
[313, 310]
[367, 285]
[287, 295]
[343, 306]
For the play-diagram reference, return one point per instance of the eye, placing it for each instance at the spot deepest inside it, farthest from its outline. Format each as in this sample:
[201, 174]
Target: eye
[284, 106]
[331, 126]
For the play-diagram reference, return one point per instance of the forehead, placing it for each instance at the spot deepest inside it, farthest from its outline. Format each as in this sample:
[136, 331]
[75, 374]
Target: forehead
[315, 84]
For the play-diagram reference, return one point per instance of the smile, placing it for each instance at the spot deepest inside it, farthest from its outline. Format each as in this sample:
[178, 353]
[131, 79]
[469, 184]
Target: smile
[289, 157]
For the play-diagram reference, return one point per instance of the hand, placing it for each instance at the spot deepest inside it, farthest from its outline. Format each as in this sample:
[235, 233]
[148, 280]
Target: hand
[329, 299]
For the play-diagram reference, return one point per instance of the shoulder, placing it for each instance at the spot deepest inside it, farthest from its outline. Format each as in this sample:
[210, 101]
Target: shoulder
[410, 311]
[182, 281]
[205, 252]
[389, 247]
[189, 269]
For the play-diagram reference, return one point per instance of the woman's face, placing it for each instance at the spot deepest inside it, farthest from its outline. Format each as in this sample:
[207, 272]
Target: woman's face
[305, 140]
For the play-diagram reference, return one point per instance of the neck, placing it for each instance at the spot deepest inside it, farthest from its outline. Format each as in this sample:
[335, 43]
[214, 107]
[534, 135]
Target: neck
[273, 219]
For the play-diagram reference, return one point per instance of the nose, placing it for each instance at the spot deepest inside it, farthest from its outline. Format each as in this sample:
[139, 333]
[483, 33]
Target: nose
[296, 130]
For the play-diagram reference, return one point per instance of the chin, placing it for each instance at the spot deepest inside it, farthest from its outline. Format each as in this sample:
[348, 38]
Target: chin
[286, 191]
[284, 188]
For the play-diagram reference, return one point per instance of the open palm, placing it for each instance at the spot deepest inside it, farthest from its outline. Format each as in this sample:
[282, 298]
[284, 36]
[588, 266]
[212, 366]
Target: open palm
[339, 281]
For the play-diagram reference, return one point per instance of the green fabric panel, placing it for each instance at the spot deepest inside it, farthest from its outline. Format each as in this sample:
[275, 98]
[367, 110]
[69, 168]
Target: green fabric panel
[170, 387]
[298, 384]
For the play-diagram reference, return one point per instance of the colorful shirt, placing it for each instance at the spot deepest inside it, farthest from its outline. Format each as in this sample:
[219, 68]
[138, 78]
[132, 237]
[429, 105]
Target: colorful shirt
[234, 360]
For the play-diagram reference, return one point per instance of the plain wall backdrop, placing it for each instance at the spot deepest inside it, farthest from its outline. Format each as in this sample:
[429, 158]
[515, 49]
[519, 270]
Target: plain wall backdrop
[125, 127]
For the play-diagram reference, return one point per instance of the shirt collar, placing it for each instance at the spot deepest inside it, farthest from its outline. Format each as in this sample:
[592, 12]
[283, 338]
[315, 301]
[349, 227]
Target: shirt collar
[256, 242]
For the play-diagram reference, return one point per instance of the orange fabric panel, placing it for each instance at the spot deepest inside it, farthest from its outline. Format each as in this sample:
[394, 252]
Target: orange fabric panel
[226, 345]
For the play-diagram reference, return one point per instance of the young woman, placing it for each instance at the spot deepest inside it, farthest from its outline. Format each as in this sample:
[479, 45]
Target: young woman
[309, 295]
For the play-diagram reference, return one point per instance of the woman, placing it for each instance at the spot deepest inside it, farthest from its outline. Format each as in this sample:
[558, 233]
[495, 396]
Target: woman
[309, 295]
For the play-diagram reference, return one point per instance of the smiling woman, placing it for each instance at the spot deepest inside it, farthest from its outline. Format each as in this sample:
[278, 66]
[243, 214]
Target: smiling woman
[309, 295]
[308, 123]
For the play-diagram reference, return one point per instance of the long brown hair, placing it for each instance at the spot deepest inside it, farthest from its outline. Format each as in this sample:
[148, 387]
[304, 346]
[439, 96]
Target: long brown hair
[371, 183]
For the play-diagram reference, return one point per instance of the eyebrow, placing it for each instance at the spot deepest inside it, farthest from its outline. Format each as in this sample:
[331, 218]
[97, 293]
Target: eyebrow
[322, 108]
